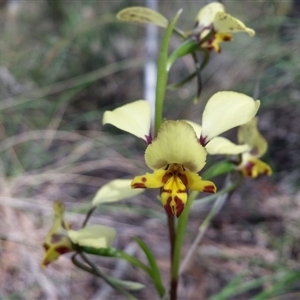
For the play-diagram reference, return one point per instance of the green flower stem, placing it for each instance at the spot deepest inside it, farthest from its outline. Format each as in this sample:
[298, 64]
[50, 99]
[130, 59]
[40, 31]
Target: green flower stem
[96, 272]
[176, 247]
[162, 74]
[180, 33]
[109, 280]
[112, 252]
[88, 215]
[181, 229]
[172, 236]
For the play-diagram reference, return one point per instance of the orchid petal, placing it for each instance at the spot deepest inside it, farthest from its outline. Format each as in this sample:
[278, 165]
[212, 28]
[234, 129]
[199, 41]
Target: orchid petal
[115, 190]
[196, 127]
[206, 15]
[249, 134]
[56, 241]
[226, 110]
[225, 23]
[176, 143]
[221, 145]
[174, 196]
[195, 183]
[252, 167]
[142, 15]
[96, 236]
[134, 118]
[149, 181]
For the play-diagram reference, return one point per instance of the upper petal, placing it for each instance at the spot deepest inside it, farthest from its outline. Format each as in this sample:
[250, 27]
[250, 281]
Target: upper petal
[221, 145]
[197, 128]
[134, 118]
[96, 236]
[142, 15]
[249, 134]
[115, 190]
[206, 15]
[226, 110]
[224, 22]
[176, 143]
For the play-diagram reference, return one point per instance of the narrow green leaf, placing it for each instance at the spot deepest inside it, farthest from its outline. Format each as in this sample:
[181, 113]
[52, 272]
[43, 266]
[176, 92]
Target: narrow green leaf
[162, 73]
[181, 83]
[155, 272]
[187, 47]
[237, 286]
[220, 168]
[142, 14]
[112, 252]
[129, 285]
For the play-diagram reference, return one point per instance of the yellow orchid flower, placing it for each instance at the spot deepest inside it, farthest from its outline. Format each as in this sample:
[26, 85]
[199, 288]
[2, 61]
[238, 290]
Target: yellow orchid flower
[176, 156]
[212, 17]
[178, 153]
[250, 164]
[61, 239]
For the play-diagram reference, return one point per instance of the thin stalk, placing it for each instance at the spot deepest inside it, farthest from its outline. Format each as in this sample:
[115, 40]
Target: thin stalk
[162, 73]
[176, 252]
[180, 33]
[88, 215]
[172, 236]
[107, 279]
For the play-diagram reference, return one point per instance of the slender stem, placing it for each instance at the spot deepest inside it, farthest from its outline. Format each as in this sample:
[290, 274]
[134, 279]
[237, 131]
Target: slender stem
[162, 73]
[180, 33]
[172, 236]
[107, 279]
[176, 247]
[88, 215]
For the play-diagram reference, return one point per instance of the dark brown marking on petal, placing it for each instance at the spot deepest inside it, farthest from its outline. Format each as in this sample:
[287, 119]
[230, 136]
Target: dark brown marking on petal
[63, 249]
[55, 238]
[183, 178]
[168, 208]
[182, 191]
[45, 263]
[227, 38]
[144, 179]
[248, 168]
[138, 185]
[203, 141]
[148, 139]
[179, 206]
[46, 247]
[166, 177]
[166, 191]
[209, 189]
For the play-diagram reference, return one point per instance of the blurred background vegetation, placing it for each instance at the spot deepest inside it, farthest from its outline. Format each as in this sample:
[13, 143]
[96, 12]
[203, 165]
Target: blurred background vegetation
[62, 64]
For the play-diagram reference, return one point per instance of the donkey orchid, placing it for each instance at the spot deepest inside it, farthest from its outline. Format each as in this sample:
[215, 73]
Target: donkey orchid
[250, 164]
[178, 153]
[61, 239]
[213, 18]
